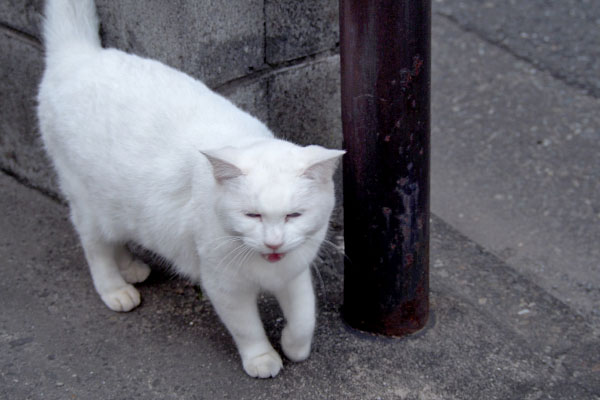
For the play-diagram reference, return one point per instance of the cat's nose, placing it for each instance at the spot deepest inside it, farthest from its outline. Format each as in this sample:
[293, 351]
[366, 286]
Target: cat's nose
[273, 246]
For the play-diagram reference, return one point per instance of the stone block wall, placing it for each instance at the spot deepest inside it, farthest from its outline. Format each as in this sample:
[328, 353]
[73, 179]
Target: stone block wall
[277, 59]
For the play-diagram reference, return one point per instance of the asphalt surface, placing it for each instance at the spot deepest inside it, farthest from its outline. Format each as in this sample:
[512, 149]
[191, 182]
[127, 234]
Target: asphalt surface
[514, 256]
[493, 333]
[558, 37]
[515, 147]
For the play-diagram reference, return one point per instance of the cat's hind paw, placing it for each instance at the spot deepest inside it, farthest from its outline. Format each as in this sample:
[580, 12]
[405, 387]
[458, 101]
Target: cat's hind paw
[135, 271]
[122, 300]
[295, 348]
[265, 365]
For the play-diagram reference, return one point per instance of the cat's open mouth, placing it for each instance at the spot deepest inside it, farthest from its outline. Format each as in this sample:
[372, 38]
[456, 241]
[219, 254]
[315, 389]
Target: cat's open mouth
[273, 257]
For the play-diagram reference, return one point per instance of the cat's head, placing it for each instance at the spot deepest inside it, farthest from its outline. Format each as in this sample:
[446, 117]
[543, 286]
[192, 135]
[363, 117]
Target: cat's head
[275, 196]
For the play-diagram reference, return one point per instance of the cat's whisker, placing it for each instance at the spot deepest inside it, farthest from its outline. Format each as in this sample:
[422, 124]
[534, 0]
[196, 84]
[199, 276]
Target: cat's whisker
[242, 253]
[231, 256]
[339, 249]
[247, 255]
[224, 237]
[304, 254]
[225, 243]
[321, 282]
[325, 250]
[224, 240]
[295, 242]
[235, 255]
[238, 262]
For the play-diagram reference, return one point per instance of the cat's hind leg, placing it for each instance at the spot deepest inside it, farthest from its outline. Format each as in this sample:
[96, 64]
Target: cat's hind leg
[132, 269]
[101, 255]
[115, 292]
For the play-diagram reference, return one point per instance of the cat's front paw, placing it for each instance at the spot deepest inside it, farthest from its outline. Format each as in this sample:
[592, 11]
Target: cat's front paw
[265, 365]
[135, 271]
[123, 299]
[296, 348]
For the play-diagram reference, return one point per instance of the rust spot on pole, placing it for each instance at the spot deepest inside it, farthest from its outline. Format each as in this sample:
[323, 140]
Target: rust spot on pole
[385, 62]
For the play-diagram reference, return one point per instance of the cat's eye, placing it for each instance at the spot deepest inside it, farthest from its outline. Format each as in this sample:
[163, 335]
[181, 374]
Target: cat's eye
[253, 215]
[292, 215]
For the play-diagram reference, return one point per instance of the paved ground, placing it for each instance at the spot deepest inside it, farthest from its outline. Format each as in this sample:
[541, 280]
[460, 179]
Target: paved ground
[493, 335]
[516, 148]
[514, 258]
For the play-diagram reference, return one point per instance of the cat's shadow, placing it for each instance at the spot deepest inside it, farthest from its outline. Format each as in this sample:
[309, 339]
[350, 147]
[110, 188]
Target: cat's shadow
[182, 307]
[187, 307]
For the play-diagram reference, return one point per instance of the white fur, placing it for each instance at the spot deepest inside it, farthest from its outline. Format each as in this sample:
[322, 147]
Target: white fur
[145, 153]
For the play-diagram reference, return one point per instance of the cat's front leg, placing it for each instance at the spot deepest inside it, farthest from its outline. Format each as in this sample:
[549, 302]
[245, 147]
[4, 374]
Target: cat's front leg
[297, 300]
[239, 312]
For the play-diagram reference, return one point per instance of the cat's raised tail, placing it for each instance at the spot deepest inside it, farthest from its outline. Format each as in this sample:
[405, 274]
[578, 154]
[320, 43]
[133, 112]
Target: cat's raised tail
[70, 25]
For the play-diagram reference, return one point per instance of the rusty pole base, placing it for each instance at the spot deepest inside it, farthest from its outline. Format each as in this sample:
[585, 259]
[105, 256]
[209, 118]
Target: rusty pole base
[385, 63]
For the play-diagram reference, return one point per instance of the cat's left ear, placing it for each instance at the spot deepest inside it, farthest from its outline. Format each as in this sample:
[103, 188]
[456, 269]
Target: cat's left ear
[322, 163]
[222, 170]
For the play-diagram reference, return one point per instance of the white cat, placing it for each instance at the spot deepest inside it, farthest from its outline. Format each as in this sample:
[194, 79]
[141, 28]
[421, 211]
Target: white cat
[145, 153]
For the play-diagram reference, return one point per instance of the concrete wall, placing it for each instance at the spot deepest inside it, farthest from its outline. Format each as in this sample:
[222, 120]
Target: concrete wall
[275, 58]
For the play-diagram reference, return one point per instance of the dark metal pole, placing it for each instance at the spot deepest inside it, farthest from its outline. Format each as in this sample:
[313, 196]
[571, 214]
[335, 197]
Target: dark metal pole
[385, 63]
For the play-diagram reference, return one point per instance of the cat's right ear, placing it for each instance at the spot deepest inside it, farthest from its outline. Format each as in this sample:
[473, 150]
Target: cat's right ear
[222, 170]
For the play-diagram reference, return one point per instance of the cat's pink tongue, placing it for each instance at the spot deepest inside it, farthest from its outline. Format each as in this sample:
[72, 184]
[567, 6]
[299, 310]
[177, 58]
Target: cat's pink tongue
[273, 257]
